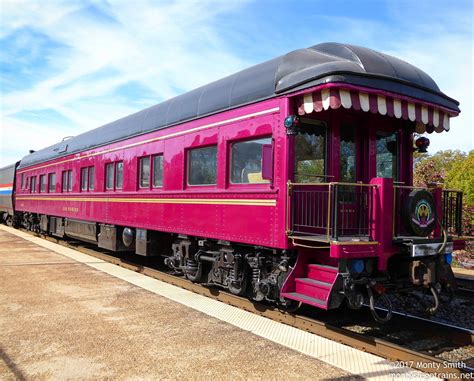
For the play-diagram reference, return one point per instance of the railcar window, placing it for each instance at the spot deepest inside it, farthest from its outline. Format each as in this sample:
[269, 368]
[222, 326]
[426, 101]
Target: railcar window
[33, 184]
[67, 181]
[64, 184]
[348, 155]
[246, 162]
[91, 178]
[22, 181]
[157, 171]
[42, 183]
[118, 175]
[310, 154]
[87, 179]
[52, 182]
[202, 167]
[145, 172]
[109, 176]
[84, 178]
[387, 154]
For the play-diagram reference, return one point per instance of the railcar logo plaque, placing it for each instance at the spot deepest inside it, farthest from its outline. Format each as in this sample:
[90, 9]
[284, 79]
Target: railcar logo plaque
[423, 214]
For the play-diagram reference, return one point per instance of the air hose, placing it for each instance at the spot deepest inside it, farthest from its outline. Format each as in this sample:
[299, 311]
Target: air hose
[387, 302]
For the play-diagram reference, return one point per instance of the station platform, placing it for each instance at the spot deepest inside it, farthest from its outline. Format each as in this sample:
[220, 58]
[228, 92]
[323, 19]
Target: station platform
[462, 273]
[67, 315]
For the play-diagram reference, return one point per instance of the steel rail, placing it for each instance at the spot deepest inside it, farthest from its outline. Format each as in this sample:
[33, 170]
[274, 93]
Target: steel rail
[376, 346]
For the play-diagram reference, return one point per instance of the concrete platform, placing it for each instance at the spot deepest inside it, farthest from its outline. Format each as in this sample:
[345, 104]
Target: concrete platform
[66, 315]
[463, 273]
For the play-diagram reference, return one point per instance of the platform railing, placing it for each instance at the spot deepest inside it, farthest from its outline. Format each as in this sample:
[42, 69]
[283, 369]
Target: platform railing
[400, 194]
[452, 211]
[331, 211]
[449, 205]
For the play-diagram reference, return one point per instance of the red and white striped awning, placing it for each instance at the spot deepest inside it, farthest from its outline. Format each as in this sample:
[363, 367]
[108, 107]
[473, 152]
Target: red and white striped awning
[428, 117]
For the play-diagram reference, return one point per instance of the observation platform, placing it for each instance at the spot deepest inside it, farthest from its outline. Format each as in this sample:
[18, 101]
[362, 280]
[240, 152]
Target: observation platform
[67, 315]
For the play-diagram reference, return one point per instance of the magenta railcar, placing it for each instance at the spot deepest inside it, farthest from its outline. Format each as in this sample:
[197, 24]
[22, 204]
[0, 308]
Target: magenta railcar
[290, 181]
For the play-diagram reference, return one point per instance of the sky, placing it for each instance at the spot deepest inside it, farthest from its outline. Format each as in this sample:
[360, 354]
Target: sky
[69, 66]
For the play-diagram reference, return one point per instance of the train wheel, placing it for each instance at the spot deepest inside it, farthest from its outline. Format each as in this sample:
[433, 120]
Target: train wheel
[241, 289]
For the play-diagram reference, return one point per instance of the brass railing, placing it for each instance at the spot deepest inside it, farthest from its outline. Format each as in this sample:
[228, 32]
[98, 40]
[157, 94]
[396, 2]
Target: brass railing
[331, 211]
[452, 211]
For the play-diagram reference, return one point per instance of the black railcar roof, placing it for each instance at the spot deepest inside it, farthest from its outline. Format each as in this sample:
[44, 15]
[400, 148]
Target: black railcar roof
[299, 69]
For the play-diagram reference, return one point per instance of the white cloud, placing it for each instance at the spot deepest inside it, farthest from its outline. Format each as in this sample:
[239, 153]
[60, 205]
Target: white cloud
[172, 47]
[167, 47]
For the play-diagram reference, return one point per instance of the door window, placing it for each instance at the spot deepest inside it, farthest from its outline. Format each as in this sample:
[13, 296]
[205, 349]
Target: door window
[387, 154]
[310, 154]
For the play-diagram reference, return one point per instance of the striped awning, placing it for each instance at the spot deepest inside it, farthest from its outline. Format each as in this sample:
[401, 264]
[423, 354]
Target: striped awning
[428, 117]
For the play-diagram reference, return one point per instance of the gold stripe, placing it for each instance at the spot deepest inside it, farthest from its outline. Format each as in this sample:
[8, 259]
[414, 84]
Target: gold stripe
[195, 201]
[271, 110]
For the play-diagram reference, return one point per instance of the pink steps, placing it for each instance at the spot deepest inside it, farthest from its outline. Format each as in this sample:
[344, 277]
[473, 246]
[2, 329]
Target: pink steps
[315, 288]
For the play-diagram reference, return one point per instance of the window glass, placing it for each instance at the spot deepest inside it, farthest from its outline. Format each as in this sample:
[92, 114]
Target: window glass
[91, 178]
[69, 180]
[202, 167]
[43, 183]
[33, 184]
[52, 182]
[387, 154]
[118, 175]
[84, 178]
[246, 163]
[64, 185]
[145, 172]
[310, 153]
[109, 176]
[22, 181]
[157, 171]
[348, 155]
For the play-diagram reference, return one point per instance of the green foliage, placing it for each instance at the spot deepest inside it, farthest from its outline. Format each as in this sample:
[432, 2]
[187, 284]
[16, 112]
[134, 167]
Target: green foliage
[455, 170]
[434, 168]
[461, 176]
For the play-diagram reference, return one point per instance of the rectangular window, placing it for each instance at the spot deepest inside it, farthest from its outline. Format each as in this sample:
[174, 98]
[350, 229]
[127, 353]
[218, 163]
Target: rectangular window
[202, 167]
[348, 155]
[246, 162]
[42, 183]
[310, 152]
[118, 175]
[109, 176]
[67, 181]
[22, 181]
[91, 178]
[64, 181]
[33, 184]
[84, 179]
[144, 172]
[387, 154]
[157, 171]
[52, 182]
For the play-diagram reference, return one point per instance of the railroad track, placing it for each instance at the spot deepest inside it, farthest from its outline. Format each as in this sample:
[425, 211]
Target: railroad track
[338, 331]
[465, 288]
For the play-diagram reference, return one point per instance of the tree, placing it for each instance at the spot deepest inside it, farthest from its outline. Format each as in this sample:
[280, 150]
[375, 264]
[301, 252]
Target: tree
[455, 170]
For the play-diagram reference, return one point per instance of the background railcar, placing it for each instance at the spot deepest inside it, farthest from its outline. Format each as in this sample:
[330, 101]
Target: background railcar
[7, 184]
[290, 181]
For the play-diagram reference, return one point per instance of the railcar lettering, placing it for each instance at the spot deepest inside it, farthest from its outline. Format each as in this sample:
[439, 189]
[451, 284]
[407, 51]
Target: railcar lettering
[70, 209]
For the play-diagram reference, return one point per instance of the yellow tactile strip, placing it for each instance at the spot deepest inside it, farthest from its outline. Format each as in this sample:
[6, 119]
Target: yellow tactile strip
[341, 356]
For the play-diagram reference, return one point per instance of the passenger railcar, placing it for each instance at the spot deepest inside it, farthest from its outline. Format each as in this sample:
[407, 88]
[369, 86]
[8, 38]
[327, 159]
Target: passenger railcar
[290, 182]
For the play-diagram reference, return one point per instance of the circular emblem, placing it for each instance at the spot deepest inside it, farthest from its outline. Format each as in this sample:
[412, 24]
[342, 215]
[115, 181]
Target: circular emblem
[423, 214]
[419, 213]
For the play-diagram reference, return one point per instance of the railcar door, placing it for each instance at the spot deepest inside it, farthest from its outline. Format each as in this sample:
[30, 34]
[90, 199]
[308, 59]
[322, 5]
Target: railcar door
[351, 202]
[310, 202]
